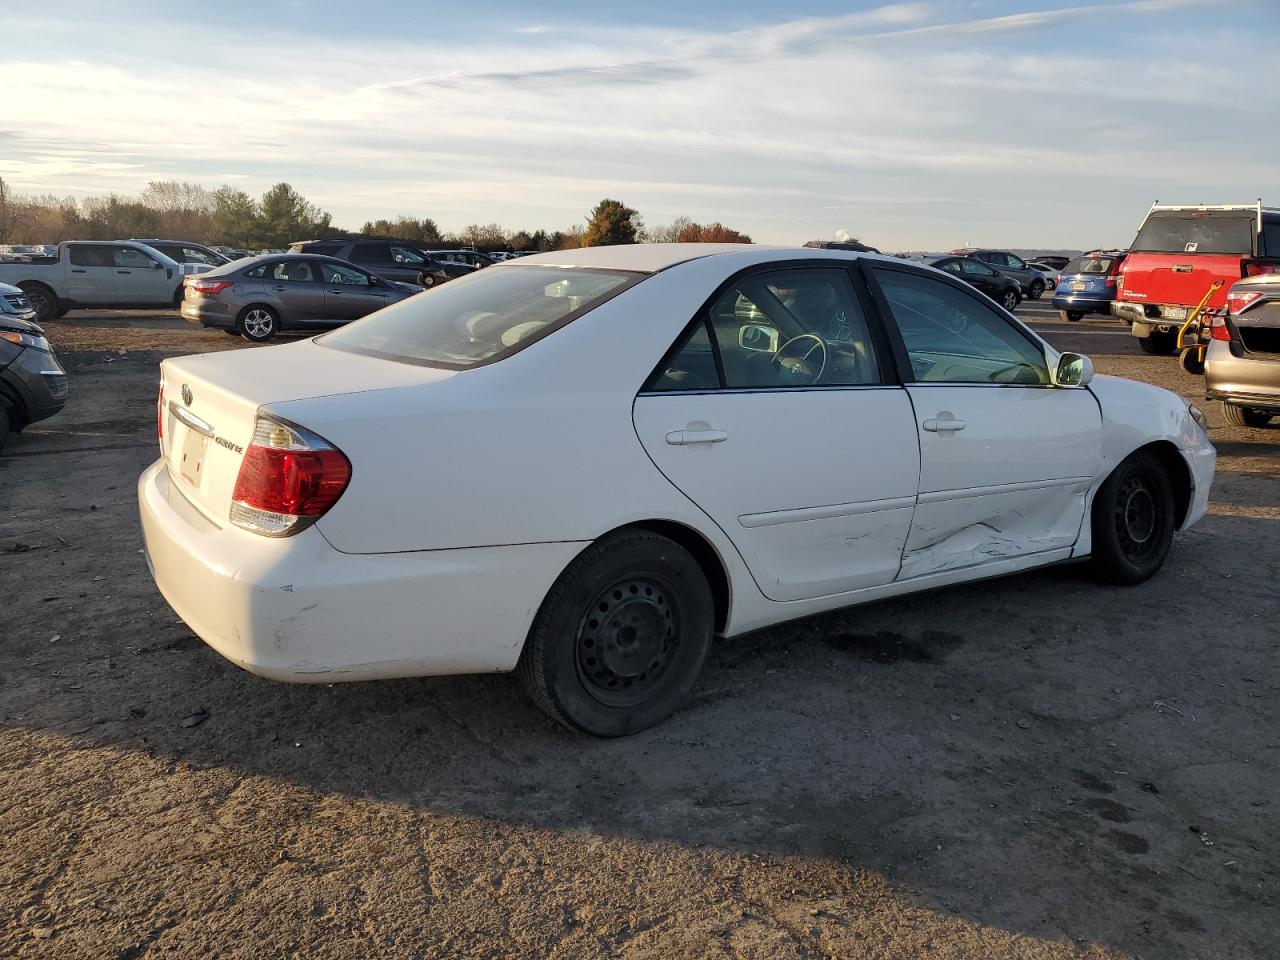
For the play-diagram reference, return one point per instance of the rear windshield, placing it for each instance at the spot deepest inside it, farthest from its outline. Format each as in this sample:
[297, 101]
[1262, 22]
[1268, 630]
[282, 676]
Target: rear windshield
[1089, 265]
[482, 317]
[1197, 233]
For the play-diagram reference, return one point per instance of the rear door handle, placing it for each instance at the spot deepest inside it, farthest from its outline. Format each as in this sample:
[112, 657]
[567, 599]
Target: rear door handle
[682, 438]
[278, 289]
[945, 424]
[79, 271]
[124, 271]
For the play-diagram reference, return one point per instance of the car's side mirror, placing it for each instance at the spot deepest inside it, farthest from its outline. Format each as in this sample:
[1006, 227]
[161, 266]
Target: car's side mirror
[1073, 370]
[758, 337]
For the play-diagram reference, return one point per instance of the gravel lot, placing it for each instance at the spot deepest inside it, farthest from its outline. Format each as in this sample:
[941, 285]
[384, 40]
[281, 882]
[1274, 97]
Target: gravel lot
[1031, 767]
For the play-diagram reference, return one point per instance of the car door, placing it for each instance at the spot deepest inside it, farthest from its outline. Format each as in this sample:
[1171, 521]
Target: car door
[299, 289]
[1006, 458]
[141, 278]
[350, 294]
[91, 273]
[983, 277]
[779, 415]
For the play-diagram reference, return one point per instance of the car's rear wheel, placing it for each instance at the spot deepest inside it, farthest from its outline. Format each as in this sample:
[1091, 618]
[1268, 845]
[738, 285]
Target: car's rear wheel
[1037, 289]
[621, 637]
[1192, 361]
[1158, 344]
[43, 300]
[1071, 316]
[1133, 521]
[1009, 300]
[258, 323]
[1245, 416]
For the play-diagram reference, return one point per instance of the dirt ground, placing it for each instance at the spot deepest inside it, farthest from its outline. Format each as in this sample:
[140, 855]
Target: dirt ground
[1035, 767]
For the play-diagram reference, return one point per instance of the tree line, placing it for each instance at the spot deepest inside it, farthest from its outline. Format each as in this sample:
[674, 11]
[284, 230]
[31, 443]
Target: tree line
[178, 210]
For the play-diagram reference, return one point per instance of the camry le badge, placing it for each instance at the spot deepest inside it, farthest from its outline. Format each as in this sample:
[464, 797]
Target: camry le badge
[186, 395]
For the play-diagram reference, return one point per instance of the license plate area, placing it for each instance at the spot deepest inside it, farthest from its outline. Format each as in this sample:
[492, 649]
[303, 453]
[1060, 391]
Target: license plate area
[1078, 285]
[1173, 313]
[191, 457]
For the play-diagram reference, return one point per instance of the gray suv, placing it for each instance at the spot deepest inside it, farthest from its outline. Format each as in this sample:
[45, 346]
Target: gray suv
[388, 258]
[1030, 280]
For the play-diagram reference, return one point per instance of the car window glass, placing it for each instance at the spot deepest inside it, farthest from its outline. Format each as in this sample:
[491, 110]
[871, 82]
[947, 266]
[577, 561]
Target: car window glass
[692, 365]
[259, 271]
[953, 337]
[129, 257]
[292, 271]
[1015, 262]
[951, 266]
[320, 249]
[371, 253]
[1089, 265]
[1230, 233]
[401, 254]
[1270, 245]
[974, 268]
[793, 328]
[196, 255]
[336, 273]
[92, 255]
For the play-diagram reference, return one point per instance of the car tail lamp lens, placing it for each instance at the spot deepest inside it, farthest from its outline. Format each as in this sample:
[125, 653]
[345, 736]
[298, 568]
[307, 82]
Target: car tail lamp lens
[210, 288]
[1240, 300]
[1218, 329]
[288, 479]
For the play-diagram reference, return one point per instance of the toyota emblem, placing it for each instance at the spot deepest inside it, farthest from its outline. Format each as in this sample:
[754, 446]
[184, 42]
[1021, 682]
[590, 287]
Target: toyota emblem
[186, 395]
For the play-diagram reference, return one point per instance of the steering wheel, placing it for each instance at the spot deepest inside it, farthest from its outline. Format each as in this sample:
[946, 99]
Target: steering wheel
[797, 363]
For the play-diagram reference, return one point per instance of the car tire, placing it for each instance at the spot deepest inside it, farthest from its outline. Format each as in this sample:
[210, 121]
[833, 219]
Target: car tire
[1239, 416]
[1071, 316]
[1192, 362]
[1158, 344]
[1132, 521]
[1010, 300]
[258, 323]
[1037, 289]
[6, 424]
[621, 637]
[61, 312]
[426, 280]
[43, 300]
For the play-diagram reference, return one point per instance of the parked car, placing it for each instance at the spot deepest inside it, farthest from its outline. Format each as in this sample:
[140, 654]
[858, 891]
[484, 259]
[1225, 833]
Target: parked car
[1031, 281]
[263, 296]
[1003, 290]
[1053, 261]
[583, 466]
[852, 245]
[470, 258]
[1088, 284]
[1050, 274]
[389, 259]
[89, 273]
[199, 256]
[1242, 361]
[231, 253]
[1179, 253]
[33, 385]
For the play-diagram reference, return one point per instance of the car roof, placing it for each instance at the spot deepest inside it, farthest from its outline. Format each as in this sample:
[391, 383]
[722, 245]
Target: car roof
[653, 257]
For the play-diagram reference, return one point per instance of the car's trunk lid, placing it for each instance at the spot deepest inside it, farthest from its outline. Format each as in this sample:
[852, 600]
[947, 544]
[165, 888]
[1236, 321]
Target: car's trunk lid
[1178, 279]
[211, 402]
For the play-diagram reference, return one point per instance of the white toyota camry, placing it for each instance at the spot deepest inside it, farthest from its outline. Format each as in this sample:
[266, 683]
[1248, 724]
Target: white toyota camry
[583, 465]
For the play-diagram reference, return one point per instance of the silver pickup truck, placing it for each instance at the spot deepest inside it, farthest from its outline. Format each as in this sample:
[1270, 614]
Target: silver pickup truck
[91, 273]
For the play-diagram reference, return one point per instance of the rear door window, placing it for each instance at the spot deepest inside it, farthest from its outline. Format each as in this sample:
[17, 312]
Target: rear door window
[371, 253]
[293, 271]
[92, 255]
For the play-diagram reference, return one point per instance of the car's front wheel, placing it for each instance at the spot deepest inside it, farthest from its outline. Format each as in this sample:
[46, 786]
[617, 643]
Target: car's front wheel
[621, 637]
[426, 280]
[1245, 416]
[1133, 521]
[1037, 289]
[1009, 300]
[258, 324]
[43, 300]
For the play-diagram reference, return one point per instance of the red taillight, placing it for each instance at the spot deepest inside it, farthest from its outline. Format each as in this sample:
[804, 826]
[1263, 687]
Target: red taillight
[288, 479]
[1240, 300]
[1218, 328]
[210, 288]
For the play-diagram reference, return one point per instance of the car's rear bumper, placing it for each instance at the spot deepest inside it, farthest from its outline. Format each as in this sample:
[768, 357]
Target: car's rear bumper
[208, 314]
[1087, 304]
[296, 609]
[1251, 380]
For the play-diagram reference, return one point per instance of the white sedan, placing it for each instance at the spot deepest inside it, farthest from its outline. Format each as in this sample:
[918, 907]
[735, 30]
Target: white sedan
[583, 465]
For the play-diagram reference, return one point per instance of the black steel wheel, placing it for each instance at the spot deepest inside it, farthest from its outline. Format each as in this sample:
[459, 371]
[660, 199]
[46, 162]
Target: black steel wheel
[621, 637]
[1133, 521]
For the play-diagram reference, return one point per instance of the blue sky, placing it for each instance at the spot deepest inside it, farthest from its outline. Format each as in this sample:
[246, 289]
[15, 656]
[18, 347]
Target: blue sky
[910, 125]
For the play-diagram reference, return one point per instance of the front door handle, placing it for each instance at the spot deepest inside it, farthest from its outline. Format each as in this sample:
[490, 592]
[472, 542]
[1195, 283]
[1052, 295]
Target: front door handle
[945, 423]
[278, 289]
[335, 292]
[682, 438]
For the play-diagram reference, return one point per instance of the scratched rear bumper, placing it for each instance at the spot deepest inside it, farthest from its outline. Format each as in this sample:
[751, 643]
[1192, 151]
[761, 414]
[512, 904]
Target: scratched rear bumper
[296, 609]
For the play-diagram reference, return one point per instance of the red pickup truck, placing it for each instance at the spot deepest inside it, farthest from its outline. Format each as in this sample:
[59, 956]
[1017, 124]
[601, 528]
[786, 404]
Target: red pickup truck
[1178, 254]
